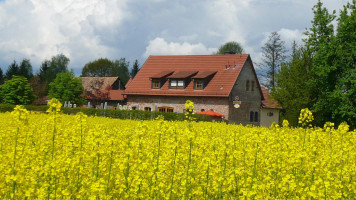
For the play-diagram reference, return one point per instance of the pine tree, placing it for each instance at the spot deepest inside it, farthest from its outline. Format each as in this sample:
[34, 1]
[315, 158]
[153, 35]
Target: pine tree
[135, 69]
[13, 69]
[25, 69]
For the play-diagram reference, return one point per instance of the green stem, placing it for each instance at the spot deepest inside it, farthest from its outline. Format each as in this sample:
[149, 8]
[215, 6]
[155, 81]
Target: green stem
[187, 174]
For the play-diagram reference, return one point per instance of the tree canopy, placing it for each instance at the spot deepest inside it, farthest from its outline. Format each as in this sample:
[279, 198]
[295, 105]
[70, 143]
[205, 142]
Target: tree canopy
[12, 70]
[322, 73]
[25, 69]
[16, 91]
[104, 67]
[66, 87]
[231, 48]
[50, 68]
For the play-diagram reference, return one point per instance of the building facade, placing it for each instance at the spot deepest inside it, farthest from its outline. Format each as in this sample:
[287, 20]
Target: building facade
[226, 84]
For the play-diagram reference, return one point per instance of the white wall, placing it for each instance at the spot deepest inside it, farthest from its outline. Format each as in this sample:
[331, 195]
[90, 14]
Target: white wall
[268, 120]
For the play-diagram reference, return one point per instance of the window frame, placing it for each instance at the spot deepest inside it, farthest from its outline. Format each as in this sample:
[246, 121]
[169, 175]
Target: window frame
[197, 82]
[177, 81]
[247, 85]
[156, 84]
[252, 85]
[147, 109]
[165, 109]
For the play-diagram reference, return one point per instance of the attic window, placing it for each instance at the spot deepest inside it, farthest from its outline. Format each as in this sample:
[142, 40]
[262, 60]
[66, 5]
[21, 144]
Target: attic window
[198, 84]
[176, 84]
[252, 85]
[247, 85]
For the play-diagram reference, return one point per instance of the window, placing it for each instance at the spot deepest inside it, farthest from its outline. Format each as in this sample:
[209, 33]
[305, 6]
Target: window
[247, 85]
[198, 85]
[176, 84]
[202, 110]
[165, 109]
[133, 108]
[252, 85]
[155, 84]
[256, 116]
[147, 109]
[253, 116]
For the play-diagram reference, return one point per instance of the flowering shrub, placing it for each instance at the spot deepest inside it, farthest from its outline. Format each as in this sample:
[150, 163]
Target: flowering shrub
[83, 157]
[305, 117]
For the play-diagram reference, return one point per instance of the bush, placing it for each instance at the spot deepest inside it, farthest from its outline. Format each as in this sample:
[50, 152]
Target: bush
[120, 114]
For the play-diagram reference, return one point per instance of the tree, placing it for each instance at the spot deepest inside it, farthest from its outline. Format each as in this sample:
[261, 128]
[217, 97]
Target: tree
[25, 69]
[1, 77]
[39, 89]
[231, 48]
[321, 44]
[12, 70]
[273, 55]
[292, 90]
[16, 91]
[104, 67]
[135, 69]
[50, 68]
[333, 68]
[345, 87]
[121, 69]
[66, 87]
[98, 68]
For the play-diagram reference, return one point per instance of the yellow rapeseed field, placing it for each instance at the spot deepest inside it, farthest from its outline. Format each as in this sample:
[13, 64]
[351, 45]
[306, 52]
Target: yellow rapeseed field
[56, 156]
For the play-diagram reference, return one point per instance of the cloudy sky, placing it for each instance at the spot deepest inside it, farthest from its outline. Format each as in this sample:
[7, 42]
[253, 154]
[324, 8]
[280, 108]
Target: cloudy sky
[85, 30]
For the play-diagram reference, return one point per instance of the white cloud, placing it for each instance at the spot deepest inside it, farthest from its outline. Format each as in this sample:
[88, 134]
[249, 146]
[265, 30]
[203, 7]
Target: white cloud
[159, 46]
[40, 29]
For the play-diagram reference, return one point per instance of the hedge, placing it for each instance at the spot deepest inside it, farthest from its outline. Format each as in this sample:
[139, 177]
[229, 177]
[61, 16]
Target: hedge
[120, 114]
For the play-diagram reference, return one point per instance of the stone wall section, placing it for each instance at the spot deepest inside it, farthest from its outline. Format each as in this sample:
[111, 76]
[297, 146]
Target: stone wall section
[250, 99]
[217, 104]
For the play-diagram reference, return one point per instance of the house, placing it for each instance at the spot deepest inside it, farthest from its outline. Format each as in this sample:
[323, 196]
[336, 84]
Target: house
[98, 90]
[226, 84]
[269, 109]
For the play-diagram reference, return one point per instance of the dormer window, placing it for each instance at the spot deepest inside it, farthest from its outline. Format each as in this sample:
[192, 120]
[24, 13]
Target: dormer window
[202, 79]
[198, 84]
[176, 84]
[158, 80]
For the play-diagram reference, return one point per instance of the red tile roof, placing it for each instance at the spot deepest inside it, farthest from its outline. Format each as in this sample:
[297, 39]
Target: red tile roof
[115, 94]
[162, 74]
[183, 74]
[268, 101]
[227, 68]
[204, 74]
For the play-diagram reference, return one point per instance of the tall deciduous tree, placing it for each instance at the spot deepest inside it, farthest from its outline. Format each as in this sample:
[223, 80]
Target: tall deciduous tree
[292, 90]
[345, 87]
[273, 52]
[321, 45]
[231, 48]
[135, 69]
[66, 87]
[104, 67]
[16, 91]
[25, 69]
[12, 70]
